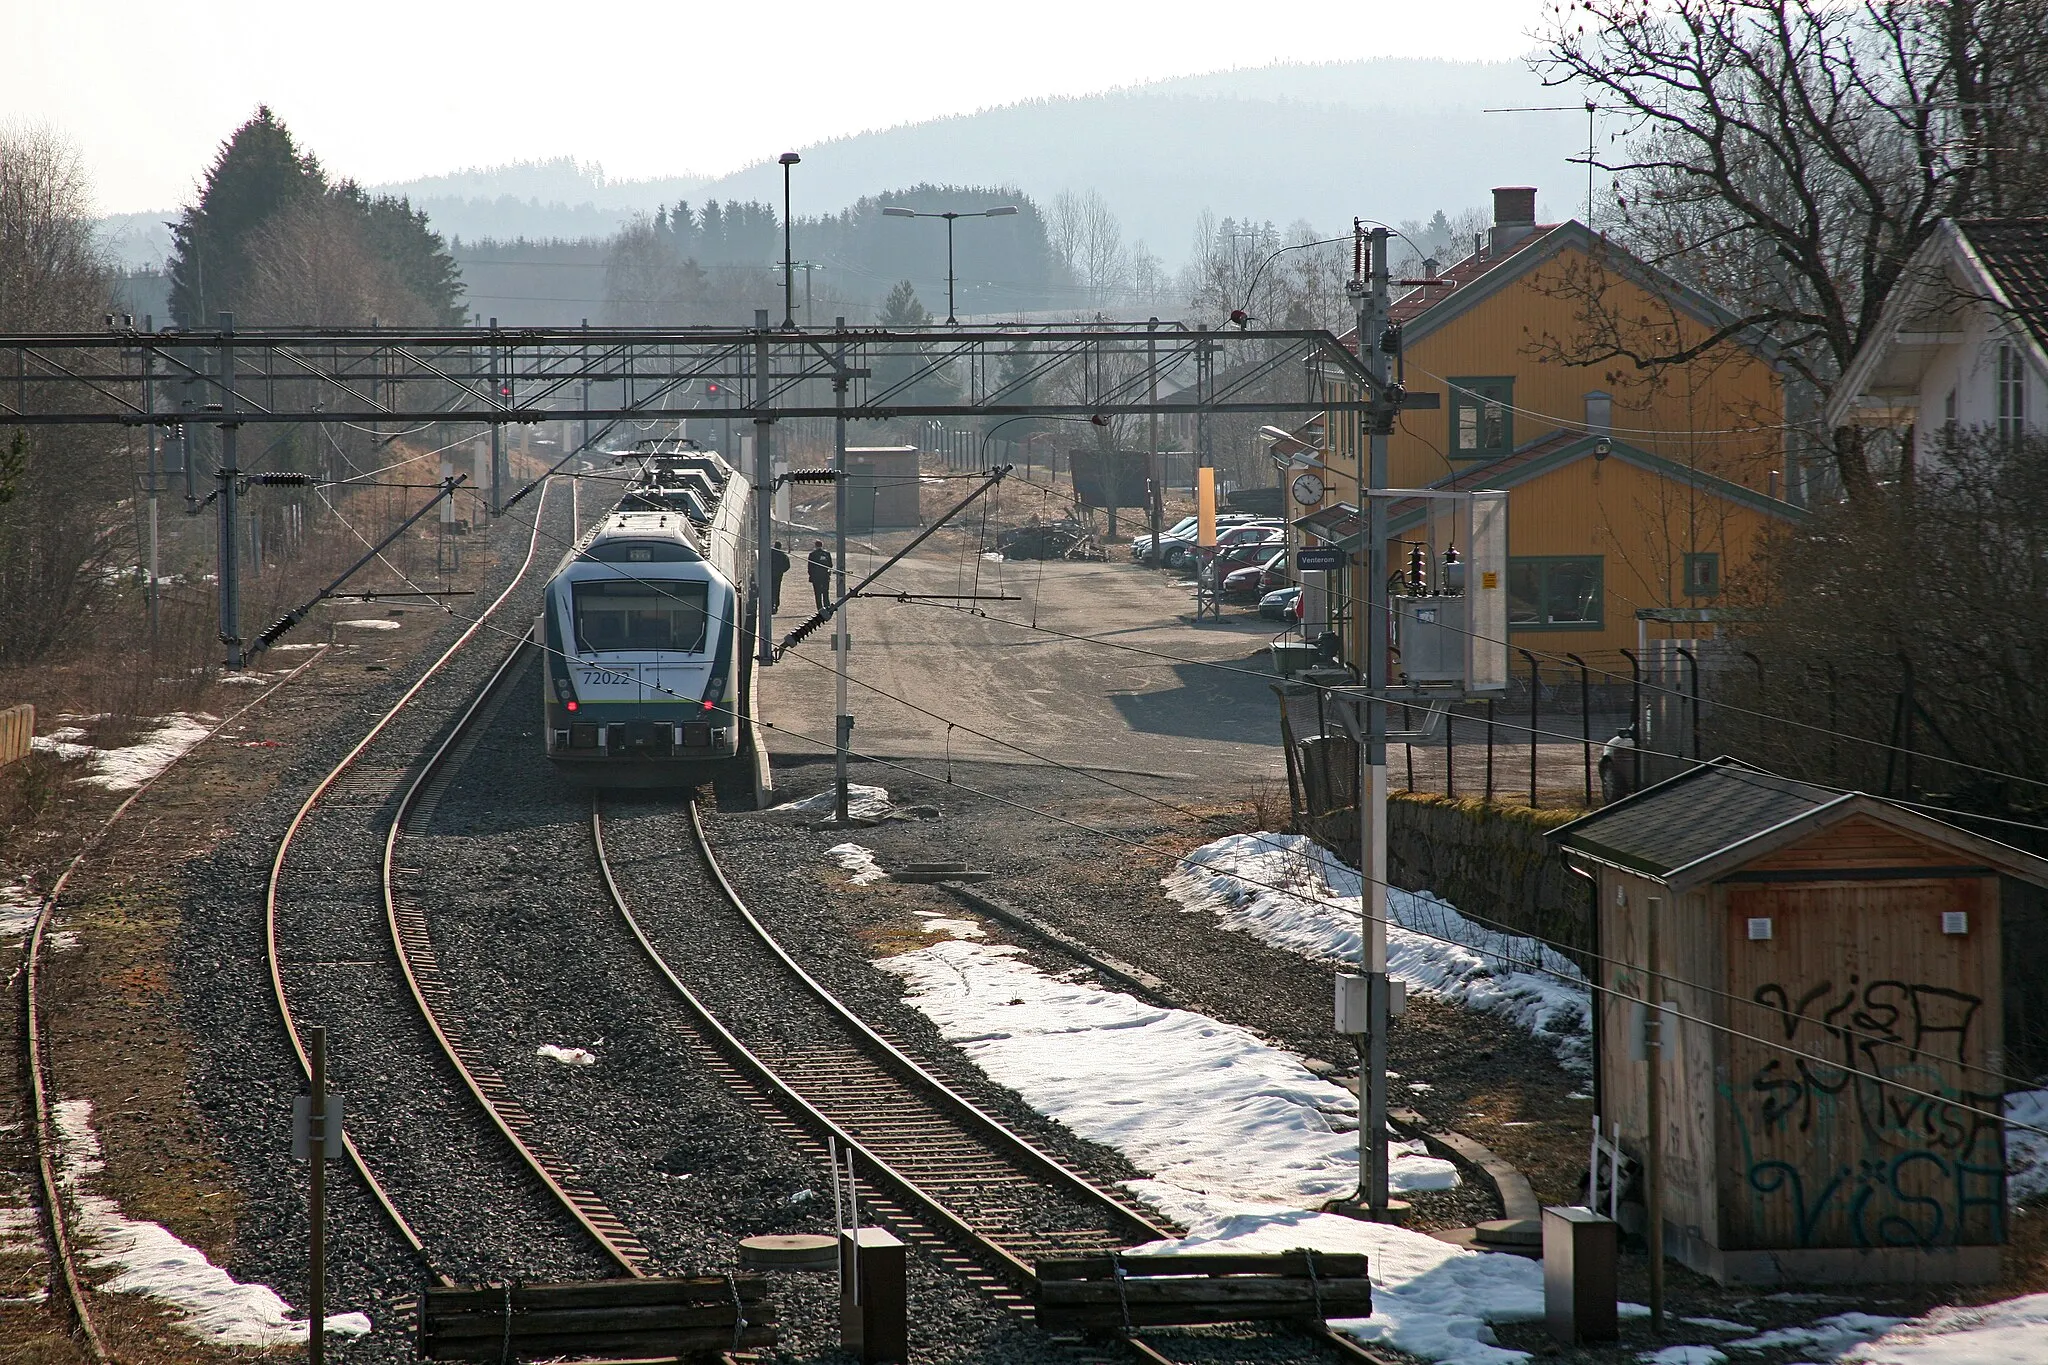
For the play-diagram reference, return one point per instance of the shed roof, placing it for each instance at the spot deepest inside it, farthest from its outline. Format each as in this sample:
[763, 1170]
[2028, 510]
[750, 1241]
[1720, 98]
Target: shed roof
[1713, 819]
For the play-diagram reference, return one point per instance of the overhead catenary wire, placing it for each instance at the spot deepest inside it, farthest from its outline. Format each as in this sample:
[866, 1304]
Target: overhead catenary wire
[1484, 921]
[1538, 967]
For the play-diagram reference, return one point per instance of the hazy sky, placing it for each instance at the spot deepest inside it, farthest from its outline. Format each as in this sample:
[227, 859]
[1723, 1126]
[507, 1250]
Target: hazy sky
[385, 91]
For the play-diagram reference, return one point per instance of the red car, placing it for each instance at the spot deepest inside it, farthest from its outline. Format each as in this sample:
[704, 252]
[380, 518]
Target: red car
[1256, 580]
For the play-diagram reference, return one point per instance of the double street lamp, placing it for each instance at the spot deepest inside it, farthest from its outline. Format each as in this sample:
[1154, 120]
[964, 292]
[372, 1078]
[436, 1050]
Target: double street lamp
[1003, 212]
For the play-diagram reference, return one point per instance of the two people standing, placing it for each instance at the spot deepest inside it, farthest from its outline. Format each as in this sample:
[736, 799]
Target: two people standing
[819, 565]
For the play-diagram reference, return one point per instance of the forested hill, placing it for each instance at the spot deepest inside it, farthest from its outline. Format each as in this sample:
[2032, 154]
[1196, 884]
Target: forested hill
[1389, 139]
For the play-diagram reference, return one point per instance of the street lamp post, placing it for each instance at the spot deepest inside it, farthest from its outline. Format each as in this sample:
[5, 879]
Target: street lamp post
[788, 259]
[950, 215]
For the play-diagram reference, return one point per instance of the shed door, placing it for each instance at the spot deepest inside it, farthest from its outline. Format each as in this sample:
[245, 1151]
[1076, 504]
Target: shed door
[860, 501]
[1861, 978]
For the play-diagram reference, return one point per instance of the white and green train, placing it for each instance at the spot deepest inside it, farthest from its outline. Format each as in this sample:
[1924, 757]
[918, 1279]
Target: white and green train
[647, 648]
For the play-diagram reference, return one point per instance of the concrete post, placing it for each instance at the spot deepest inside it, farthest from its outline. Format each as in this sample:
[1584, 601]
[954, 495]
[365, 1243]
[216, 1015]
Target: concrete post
[227, 479]
[764, 497]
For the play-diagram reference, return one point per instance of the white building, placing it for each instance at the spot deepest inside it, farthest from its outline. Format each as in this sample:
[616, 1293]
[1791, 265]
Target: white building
[1963, 342]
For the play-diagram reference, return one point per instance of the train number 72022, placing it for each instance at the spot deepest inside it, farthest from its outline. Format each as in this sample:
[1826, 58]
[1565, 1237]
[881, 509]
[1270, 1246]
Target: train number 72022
[605, 677]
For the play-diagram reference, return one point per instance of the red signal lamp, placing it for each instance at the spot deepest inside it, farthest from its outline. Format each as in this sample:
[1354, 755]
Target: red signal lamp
[570, 704]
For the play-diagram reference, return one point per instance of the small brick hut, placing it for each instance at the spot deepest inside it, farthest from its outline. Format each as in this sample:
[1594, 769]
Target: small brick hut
[1834, 1049]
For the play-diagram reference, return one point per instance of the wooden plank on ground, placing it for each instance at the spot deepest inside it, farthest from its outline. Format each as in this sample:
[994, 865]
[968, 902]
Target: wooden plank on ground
[1301, 1263]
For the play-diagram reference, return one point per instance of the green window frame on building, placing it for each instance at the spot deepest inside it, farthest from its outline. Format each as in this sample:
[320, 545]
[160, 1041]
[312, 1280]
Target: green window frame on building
[1557, 592]
[1703, 574]
[1482, 417]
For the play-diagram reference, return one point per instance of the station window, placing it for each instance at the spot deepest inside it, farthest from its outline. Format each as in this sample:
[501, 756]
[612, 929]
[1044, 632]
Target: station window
[1703, 575]
[1482, 417]
[1555, 592]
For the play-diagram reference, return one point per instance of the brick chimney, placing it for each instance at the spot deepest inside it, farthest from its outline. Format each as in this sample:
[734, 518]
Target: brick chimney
[1514, 217]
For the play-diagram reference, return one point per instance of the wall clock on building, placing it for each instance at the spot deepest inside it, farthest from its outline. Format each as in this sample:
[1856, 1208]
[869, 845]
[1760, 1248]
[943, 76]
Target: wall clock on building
[1308, 488]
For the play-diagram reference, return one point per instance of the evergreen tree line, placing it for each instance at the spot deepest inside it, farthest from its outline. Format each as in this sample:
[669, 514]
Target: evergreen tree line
[277, 243]
[719, 261]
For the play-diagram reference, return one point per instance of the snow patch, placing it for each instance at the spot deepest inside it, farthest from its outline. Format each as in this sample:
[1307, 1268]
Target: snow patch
[2007, 1333]
[19, 907]
[1205, 1106]
[1828, 1336]
[933, 923]
[567, 1056]
[149, 1261]
[855, 859]
[281, 649]
[120, 770]
[244, 679]
[1719, 1324]
[2026, 1152]
[1289, 891]
[62, 744]
[862, 803]
[1682, 1355]
[370, 623]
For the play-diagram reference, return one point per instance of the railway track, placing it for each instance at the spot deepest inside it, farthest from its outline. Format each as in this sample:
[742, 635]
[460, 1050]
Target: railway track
[338, 883]
[976, 1195]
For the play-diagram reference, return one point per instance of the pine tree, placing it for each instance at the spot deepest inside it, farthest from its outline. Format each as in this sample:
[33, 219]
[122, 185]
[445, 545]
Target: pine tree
[258, 171]
[901, 309]
[398, 236]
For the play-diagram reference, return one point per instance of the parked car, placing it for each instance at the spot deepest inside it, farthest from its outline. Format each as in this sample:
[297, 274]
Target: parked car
[1179, 539]
[1242, 585]
[1255, 580]
[1249, 533]
[1248, 553]
[1278, 572]
[1280, 605]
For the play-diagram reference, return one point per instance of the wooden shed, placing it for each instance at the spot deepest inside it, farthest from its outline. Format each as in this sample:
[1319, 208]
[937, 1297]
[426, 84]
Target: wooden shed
[882, 490]
[1833, 1022]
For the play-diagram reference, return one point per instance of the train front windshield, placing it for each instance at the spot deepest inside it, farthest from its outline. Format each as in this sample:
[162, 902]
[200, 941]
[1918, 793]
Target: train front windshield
[640, 615]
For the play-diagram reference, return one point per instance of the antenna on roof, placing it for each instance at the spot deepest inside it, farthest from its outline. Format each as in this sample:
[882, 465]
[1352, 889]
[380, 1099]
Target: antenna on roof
[1592, 110]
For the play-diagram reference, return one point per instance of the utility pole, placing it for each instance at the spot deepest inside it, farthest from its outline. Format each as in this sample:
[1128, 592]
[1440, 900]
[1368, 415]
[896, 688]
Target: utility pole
[1153, 464]
[1653, 1115]
[843, 722]
[316, 1151]
[764, 499]
[150, 593]
[497, 430]
[227, 480]
[1374, 303]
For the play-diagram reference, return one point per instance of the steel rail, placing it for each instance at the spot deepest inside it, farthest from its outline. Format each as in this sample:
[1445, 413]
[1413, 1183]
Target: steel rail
[962, 1107]
[772, 1091]
[277, 869]
[40, 1088]
[778, 1091]
[416, 957]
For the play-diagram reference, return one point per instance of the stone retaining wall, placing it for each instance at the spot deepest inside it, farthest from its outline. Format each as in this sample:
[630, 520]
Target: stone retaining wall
[1492, 863]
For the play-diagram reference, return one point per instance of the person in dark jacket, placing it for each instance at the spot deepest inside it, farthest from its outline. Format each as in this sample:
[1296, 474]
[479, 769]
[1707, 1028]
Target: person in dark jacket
[778, 565]
[821, 573]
